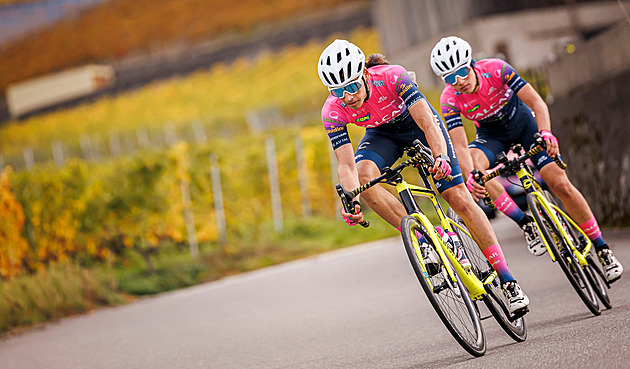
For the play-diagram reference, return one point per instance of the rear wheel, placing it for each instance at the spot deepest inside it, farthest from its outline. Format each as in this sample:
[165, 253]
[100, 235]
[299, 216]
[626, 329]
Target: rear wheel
[449, 298]
[495, 299]
[564, 255]
[593, 271]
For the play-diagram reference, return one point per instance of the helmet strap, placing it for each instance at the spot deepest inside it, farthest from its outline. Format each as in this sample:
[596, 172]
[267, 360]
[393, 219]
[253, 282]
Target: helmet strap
[367, 89]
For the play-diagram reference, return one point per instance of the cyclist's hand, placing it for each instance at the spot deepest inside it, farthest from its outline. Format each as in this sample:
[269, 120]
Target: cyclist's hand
[553, 149]
[441, 168]
[353, 219]
[477, 190]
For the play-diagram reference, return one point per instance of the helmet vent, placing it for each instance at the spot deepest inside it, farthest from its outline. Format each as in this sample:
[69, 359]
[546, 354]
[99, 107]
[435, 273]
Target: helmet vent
[360, 68]
[332, 76]
[338, 57]
[326, 78]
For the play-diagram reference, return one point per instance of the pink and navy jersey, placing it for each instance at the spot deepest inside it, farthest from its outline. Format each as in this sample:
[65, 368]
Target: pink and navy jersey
[392, 92]
[494, 103]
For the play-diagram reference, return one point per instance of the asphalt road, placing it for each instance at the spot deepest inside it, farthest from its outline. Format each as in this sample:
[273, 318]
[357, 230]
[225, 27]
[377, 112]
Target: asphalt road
[359, 307]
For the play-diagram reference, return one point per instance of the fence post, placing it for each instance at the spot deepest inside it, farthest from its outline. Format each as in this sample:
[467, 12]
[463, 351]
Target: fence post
[302, 176]
[170, 135]
[217, 195]
[189, 219]
[29, 157]
[199, 131]
[57, 152]
[114, 143]
[142, 137]
[86, 146]
[274, 184]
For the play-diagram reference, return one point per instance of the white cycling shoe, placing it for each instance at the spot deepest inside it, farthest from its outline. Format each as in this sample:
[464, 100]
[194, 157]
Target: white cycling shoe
[534, 244]
[517, 300]
[612, 266]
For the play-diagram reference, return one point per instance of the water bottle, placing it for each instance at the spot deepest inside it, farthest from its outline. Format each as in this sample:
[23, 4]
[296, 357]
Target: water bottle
[451, 241]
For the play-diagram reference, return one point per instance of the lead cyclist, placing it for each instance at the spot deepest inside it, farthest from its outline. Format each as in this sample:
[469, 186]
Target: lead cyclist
[507, 110]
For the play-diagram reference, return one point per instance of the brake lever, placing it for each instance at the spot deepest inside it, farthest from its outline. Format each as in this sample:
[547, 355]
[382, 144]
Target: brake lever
[346, 201]
[478, 177]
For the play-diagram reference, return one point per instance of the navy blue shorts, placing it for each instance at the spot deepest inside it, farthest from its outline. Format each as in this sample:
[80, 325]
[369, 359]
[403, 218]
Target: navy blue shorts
[385, 144]
[520, 129]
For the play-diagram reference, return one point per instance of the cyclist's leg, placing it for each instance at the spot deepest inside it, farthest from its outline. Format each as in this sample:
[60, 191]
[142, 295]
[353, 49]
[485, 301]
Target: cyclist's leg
[375, 152]
[580, 211]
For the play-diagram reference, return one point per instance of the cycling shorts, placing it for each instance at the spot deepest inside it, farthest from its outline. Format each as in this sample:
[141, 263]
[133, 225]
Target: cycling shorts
[385, 144]
[520, 129]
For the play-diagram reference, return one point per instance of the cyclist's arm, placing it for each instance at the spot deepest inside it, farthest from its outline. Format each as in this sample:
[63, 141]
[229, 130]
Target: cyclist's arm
[348, 176]
[460, 142]
[424, 118]
[532, 99]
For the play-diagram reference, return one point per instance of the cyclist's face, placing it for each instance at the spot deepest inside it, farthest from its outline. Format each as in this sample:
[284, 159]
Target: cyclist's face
[466, 85]
[355, 101]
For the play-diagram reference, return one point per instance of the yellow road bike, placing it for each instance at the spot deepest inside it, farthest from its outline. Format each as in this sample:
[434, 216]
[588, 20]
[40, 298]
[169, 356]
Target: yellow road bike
[452, 290]
[566, 243]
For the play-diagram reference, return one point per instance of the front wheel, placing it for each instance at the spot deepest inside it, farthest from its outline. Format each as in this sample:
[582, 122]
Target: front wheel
[563, 254]
[495, 300]
[448, 297]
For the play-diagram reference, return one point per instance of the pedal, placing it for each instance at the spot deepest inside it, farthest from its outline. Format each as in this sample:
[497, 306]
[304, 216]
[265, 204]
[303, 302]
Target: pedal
[519, 313]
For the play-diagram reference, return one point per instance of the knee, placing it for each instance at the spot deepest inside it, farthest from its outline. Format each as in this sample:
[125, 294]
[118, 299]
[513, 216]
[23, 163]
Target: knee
[459, 199]
[562, 187]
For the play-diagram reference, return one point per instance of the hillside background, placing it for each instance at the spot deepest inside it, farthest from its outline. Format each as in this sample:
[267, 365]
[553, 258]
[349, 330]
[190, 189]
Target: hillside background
[146, 40]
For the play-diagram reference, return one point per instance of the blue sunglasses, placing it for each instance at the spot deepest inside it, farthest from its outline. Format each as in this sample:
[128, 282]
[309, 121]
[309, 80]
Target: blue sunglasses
[352, 89]
[462, 72]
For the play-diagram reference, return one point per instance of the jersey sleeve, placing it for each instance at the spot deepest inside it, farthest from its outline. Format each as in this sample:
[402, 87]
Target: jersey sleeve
[335, 125]
[450, 110]
[405, 87]
[511, 78]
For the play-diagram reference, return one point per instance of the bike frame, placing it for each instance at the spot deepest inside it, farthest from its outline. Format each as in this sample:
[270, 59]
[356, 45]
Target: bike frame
[532, 187]
[407, 192]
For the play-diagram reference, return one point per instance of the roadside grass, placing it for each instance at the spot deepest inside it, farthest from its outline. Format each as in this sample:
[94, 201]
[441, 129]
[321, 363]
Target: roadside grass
[70, 289]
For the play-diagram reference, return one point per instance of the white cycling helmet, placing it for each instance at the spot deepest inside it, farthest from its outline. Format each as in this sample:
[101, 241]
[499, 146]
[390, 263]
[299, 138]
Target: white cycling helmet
[340, 63]
[449, 54]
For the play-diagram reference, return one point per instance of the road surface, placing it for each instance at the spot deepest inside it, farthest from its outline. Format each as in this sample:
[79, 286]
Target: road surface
[359, 307]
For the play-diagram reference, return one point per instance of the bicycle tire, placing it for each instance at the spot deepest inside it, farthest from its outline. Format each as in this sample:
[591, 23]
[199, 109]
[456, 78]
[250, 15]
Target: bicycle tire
[564, 255]
[452, 303]
[593, 271]
[495, 300]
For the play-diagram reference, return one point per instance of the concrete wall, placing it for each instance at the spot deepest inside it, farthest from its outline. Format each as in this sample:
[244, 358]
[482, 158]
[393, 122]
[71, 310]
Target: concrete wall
[591, 117]
[602, 57]
[528, 39]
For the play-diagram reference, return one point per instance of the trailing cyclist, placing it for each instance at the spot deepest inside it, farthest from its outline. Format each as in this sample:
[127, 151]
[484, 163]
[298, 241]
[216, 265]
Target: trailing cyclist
[507, 110]
[383, 99]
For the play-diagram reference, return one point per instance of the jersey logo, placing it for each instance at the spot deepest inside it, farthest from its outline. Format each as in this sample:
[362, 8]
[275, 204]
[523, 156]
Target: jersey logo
[473, 109]
[365, 118]
[509, 77]
[486, 75]
[404, 88]
[378, 83]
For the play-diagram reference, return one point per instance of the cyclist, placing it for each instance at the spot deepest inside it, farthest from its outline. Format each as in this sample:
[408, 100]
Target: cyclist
[507, 110]
[383, 99]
